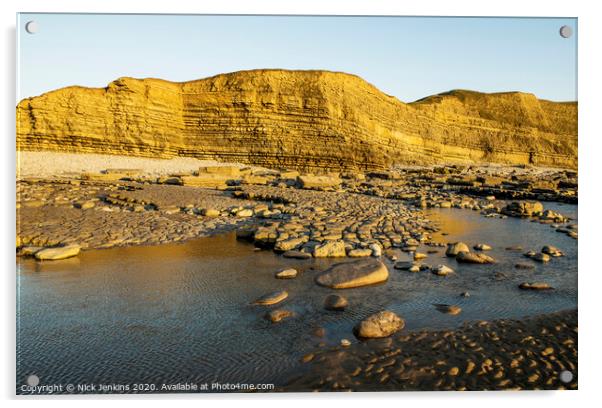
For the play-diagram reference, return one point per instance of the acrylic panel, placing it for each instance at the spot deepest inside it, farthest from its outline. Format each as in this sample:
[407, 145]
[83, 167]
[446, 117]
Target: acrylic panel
[220, 203]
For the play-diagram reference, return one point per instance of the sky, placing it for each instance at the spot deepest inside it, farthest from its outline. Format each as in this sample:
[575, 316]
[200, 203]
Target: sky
[407, 57]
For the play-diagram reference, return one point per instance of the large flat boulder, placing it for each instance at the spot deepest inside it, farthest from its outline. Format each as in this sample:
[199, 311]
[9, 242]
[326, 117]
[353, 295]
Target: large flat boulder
[318, 182]
[363, 272]
[57, 253]
[206, 180]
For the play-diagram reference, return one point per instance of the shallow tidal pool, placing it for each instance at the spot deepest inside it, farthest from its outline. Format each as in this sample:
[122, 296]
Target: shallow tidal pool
[182, 312]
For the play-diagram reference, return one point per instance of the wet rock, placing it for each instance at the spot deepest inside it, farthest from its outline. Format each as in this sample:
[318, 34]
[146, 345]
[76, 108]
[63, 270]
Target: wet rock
[552, 251]
[535, 286]
[272, 298]
[482, 247]
[30, 250]
[85, 205]
[471, 257]
[378, 325]
[57, 253]
[335, 302]
[288, 273]
[290, 244]
[418, 256]
[524, 266]
[353, 274]
[377, 250]
[330, 249]
[455, 248]
[345, 343]
[523, 208]
[296, 255]
[359, 252]
[442, 270]
[278, 315]
[448, 309]
[540, 257]
[246, 212]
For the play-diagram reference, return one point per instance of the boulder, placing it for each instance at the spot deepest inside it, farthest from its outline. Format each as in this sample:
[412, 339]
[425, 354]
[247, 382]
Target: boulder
[541, 257]
[278, 315]
[535, 286]
[335, 302]
[455, 248]
[288, 273]
[523, 208]
[272, 298]
[330, 249]
[442, 270]
[448, 309]
[229, 171]
[551, 250]
[290, 243]
[378, 325]
[471, 257]
[56, 253]
[319, 182]
[366, 271]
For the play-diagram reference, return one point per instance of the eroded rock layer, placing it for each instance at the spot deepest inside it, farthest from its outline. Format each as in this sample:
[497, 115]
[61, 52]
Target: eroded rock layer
[309, 120]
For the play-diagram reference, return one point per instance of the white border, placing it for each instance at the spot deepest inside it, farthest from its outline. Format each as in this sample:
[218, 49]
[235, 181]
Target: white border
[590, 102]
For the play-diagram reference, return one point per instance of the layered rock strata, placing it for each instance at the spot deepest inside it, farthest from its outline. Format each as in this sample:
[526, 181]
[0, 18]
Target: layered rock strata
[307, 120]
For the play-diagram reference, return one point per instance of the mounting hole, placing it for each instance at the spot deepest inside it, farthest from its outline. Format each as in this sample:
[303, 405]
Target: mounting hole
[31, 27]
[566, 31]
[566, 376]
[33, 380]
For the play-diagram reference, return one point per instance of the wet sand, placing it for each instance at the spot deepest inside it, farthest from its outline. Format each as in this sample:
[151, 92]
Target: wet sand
[500, 355]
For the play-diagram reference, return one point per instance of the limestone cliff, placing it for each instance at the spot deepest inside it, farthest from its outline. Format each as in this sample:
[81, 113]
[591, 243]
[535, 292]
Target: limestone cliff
[308, 120]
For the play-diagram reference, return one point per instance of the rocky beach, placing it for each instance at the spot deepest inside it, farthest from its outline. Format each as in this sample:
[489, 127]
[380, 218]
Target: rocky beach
[394, 246]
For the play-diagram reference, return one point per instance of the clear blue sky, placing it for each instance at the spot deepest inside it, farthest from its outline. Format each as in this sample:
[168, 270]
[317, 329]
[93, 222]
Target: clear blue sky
[408, 57]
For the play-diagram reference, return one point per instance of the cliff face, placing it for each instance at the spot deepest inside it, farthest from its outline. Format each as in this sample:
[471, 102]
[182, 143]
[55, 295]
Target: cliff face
[310, 120]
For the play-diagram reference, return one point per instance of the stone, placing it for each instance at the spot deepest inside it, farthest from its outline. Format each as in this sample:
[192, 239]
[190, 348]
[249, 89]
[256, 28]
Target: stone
[552, 251]
[449, 309]
[482, 247]
[418, 256]
[318, 182]
[471, 257]
[288, 273]
[442, 270]
[330, 249]
[272, 298]
[535, 286]
[296, 255]
[278, 315]
[455, 248]
[345, 343]
[335, 302]
[291, 244]
[57, 253]
[359, 252]
[229, 171]
[363, 272]
[377, 250]
[85, 205]
[247, 212]
[540, 257]
[210, 212]
[378, 325]
[206, 181]
[523, 208]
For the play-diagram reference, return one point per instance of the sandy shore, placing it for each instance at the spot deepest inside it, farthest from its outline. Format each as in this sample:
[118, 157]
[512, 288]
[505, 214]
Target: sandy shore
[46, 164]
